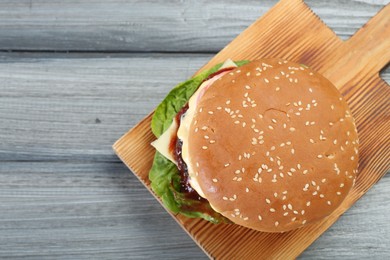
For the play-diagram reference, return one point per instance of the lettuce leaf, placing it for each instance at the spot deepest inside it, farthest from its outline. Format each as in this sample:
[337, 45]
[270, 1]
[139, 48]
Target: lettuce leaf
[177, 98]
[164, 175]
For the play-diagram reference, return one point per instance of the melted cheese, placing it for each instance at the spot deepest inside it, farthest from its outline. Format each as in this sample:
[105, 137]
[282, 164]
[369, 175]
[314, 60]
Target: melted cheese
[162, 143]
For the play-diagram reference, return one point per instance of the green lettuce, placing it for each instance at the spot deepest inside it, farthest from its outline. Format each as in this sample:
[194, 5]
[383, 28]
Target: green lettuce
[164, 175]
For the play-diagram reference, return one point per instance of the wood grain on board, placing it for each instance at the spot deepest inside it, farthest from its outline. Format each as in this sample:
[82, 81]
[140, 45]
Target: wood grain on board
[291, 30]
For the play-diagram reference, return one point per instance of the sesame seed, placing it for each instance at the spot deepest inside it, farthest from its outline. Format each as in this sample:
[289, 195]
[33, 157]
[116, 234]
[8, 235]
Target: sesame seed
[215, 180]
[268, 201]
[308, 203]
[292, 129]
[228, 102]
[273, 120]
[270, 127]
[341, 185]
[312, 141]
[323, 180]
[293, 219]
[275, 195]
[247, 189]
[305, 171]
[204, 147]
[311, 90]
[259, 217]
[224, 198]
[211, 112]
[272, 210]
[289, 206]
[247, 87]
[285, 213]
[322, 195]
[329, 203]
[304, 222]
[246, 218]
[338, 193]
[276, 224]
[212, 141]
[319, 156]
[266, 80]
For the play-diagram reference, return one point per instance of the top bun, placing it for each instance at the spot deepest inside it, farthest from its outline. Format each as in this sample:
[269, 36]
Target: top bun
[273, 146]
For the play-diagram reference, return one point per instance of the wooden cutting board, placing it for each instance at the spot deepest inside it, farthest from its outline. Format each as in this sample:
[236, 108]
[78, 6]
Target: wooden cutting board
[290, 30]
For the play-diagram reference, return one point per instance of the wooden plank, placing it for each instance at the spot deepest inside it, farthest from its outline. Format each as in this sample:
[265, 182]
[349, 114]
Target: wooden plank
[74, 106]
[177, 26]
[83, 211]
[96, 210]
[290, 30]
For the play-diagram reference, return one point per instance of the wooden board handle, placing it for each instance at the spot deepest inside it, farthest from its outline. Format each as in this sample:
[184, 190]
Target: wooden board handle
[366, 52]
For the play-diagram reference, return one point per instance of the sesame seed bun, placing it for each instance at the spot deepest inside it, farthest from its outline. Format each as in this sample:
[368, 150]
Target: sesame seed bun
[273, 146]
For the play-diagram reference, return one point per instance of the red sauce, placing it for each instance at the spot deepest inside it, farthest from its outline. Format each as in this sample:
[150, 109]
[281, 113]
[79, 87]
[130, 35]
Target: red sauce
[218, 72]
[175, 147]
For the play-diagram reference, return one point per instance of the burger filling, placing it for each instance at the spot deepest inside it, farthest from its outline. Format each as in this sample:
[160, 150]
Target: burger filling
[173, 142]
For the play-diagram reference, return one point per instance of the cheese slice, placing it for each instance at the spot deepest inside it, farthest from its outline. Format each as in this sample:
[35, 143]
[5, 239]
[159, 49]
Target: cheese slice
[163, 142]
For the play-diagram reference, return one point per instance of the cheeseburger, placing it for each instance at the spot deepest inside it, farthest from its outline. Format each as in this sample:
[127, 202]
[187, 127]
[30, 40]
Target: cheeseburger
[268, 144]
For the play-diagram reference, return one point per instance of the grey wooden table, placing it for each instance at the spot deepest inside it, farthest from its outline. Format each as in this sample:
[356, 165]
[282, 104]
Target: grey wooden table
[75, 75]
